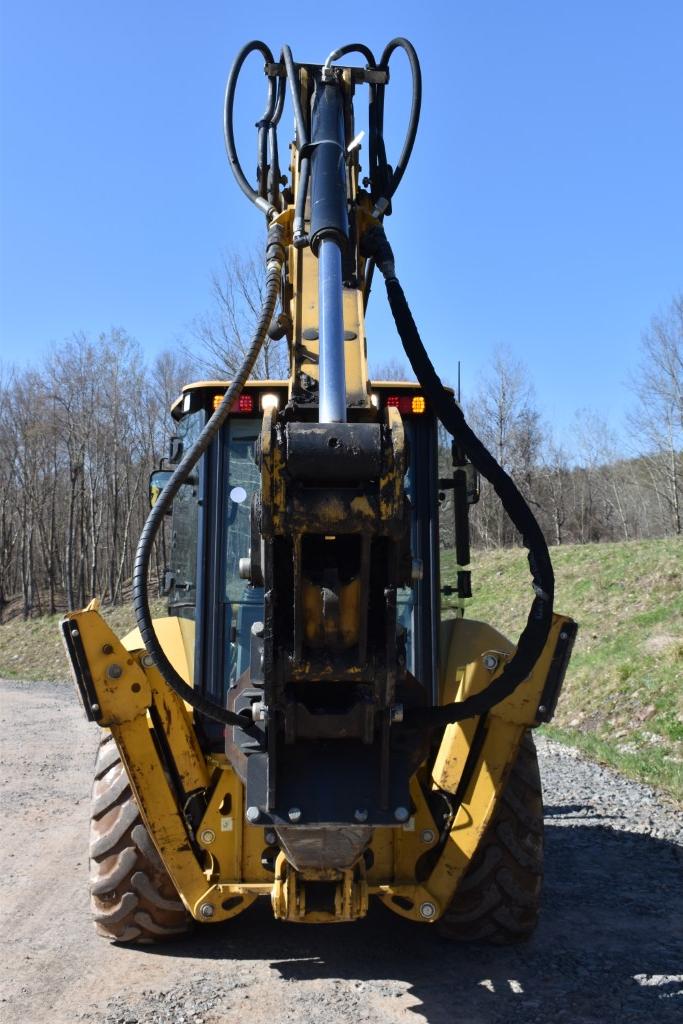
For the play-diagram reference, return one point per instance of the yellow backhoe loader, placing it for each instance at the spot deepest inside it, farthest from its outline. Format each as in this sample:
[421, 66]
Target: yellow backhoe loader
[304, 726]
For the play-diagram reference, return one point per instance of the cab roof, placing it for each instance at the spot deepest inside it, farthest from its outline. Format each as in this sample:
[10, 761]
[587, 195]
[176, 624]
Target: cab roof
[223, 385]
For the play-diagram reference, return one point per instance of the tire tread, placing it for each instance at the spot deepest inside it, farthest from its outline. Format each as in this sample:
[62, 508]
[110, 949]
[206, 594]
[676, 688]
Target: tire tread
[499, 897]
[132, 897]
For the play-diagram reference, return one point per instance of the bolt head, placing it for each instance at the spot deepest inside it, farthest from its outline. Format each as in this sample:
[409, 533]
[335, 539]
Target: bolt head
[401, 814]
[490, 662]
[95, 708]
[107, 649]
[114, 671]
[542, 709]
[427, 836]
[427, 911]
[563, 635]
[208, 835]
[360, 814]
[206, 910]
[74, 632]
[271, 837]
[294, 814]
[147, 661]
[253, 814]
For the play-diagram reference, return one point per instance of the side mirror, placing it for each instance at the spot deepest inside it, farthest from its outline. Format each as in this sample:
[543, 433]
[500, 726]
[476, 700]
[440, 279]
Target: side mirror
[157, 481]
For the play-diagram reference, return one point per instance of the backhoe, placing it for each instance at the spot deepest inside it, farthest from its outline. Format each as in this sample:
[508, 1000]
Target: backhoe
[304, 726]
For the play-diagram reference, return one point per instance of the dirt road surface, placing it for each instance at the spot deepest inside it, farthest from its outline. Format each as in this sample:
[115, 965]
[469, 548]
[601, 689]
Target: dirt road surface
[609, 948]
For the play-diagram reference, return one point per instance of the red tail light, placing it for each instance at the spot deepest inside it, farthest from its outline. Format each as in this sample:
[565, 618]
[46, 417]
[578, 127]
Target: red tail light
[245, 403]
[407, 404]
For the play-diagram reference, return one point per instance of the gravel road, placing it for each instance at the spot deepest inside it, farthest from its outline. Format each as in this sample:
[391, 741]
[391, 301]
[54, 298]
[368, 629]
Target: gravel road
[609, 947]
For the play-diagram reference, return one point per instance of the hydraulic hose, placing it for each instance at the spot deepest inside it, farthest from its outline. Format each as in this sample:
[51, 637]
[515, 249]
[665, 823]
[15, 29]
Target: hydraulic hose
[263, 125]
[389, 181]
[342, 51]
[535, 633]
[384, 181]
[274, 182]
[302, 140]
[275, 255]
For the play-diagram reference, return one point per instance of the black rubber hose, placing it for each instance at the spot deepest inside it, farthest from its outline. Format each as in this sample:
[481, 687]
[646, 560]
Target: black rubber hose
[535, 633]
[393, 180]
[369, 274]
[384, 182]
[275, 255]
[353, 48]
[302, 139]
[228, 124]
[274, 196]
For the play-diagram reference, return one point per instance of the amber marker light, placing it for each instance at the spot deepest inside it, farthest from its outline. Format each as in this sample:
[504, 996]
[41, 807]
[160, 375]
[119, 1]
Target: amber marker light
[407, 403]
[245, 403]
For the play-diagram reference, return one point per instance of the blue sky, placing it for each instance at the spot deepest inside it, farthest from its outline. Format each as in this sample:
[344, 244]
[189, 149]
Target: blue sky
[543, 208]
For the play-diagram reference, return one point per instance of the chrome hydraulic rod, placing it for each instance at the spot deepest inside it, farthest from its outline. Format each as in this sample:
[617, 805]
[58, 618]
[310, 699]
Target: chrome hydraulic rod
[331, 334]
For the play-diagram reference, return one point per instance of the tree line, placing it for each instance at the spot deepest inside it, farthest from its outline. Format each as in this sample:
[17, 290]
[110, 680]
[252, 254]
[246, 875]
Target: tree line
[79, 436]
[593, 493]
[80, 433]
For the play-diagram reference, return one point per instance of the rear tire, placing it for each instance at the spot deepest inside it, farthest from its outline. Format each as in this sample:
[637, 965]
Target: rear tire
[499, 898]
[132, 897]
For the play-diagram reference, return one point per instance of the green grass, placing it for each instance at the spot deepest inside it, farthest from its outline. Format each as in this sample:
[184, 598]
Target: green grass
[33, 649]
[622, 701]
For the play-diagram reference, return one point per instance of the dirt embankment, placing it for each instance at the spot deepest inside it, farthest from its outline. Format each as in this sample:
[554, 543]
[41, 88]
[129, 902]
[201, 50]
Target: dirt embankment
[609, 947]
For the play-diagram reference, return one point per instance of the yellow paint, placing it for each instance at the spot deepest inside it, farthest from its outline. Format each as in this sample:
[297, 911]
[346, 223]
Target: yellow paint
[227, 874]
[177, 637]
[289, 893]
[217, 868]
[505, 727]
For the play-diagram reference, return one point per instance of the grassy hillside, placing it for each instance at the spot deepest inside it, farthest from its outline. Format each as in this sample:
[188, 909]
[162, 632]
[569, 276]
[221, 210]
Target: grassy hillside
[34, 650]
[622, 701]
[623, 697]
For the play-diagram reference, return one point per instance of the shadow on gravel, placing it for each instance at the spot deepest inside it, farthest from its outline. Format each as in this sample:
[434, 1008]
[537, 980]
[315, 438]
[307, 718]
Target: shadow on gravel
[611, 932]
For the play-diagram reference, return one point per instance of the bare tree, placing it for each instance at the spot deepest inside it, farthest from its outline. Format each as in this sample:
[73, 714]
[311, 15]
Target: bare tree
[607, 483]
[391, 369]
[657, 423]
[225, 332]
[503, 414]
[553, 488]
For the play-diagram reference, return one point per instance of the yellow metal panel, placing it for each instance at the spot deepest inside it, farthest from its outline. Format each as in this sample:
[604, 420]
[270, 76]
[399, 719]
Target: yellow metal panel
[175, 718]
[132, 699]
[303, 280]
[462, 642]
[289, 894]
[158, 807]
[505, 726]
[391, 494]
[177, 637]
[123, 690]
[409, 841]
